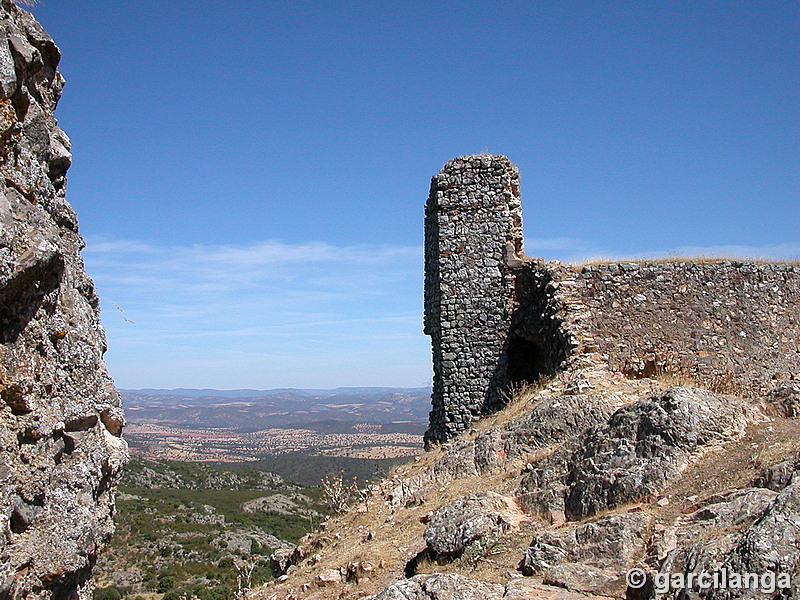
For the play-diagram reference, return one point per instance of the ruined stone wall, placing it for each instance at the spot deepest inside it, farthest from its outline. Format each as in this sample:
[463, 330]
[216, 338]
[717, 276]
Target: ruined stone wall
[730, 325]
[496, 320]
[60, 416]
[473, 236]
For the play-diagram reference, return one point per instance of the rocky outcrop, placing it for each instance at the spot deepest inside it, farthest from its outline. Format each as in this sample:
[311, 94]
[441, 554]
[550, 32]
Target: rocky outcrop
[469, 518]
[784, 401]
[779, 475]
[751, 531]
[451, 586]
[445, 586]
[60, 417]
[591, 556]
[550, 422]
[671, 482]
[642, 447]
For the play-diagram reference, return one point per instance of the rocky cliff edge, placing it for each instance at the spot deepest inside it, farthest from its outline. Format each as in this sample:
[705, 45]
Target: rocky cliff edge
[60, 416]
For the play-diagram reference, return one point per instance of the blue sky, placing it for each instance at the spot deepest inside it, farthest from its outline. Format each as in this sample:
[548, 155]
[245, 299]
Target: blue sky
[250, 176]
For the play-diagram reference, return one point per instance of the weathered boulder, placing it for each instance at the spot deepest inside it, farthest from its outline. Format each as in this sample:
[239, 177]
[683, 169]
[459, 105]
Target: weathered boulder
[706, 536]
[328, 577]
[464, 520]
[778, 476]
[60, 416]
[549, 423]
[528, 588]
[280, 561]
[745, 531]
[580, 577]
[441, 586]
[642, 447]
[771, 543]
[608, 545]
[784, 401]
[458, 461]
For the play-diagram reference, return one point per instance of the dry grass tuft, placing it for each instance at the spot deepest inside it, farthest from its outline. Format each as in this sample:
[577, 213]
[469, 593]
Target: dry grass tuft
[723, 383]
[695, 260]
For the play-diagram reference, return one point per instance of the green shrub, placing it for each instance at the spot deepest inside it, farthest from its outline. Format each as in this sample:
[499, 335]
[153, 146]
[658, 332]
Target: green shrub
[165, 583]
[107, 593]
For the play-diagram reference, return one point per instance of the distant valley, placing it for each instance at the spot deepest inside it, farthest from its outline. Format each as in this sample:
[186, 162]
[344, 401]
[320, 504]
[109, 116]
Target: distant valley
[220, 479]
[249, 425]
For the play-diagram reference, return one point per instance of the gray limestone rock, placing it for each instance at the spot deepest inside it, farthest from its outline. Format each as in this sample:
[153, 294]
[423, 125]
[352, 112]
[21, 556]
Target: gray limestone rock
[580, 577]
[60, 416]
[771, 543]
[642, 447]
[441, 586]
[610, 543]
[280, 561]
[551, 422]
[706, 536]
[784, 401]
[469, 518]
[745, 531]
[778, 476]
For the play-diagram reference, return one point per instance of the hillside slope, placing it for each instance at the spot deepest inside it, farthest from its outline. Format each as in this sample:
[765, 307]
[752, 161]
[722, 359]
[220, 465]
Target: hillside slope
[564, 491]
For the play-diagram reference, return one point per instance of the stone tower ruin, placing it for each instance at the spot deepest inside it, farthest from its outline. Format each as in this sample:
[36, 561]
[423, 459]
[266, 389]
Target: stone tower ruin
[497, 319]
[473, 241]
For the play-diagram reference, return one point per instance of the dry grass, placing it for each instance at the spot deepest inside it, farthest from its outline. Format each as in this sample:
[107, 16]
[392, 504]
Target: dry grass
[734, 465]
[698, 260]
[396, 534]
[668, 380]
[519, 400]
[488, 561]
[721, 383]
[389, 537]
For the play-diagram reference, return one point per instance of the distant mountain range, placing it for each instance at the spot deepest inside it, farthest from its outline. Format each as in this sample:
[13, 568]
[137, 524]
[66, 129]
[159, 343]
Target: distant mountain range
[249, 393]
[253, 410]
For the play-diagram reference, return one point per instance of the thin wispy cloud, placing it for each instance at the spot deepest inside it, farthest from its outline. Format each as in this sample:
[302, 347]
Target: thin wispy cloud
[271, 305]
[273, 314]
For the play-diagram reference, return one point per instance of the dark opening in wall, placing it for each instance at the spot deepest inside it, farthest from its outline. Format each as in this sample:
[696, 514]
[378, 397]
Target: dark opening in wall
[526, 361]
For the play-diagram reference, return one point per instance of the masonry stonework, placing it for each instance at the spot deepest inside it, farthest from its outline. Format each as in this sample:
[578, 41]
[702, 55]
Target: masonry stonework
[729, 325]
[497, 319]
[473, 240]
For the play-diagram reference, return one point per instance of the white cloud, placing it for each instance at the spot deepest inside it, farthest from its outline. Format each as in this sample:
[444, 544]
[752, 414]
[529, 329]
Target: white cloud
[273, 314]
[271, 305]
